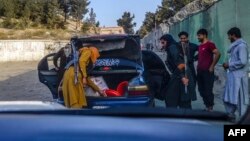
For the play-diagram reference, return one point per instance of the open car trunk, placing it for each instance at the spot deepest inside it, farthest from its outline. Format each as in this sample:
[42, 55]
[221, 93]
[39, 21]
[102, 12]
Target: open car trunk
[120, 58]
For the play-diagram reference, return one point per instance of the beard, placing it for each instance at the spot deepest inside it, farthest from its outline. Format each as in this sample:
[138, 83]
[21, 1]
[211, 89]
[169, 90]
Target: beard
[200, 40]
[232, 40]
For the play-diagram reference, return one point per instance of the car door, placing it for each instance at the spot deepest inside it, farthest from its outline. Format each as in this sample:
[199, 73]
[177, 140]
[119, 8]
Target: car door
[48, 75]
[155, 74]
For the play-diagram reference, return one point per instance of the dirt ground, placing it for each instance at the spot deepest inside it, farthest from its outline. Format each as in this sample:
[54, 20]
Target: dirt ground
[19, 81]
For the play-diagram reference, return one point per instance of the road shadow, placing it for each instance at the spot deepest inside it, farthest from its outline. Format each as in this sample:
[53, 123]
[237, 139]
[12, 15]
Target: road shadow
[25, 86]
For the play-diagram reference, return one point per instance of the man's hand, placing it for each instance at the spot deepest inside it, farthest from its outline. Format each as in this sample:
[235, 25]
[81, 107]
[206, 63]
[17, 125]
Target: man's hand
[215, 60]
[181, 66]
[102, 93]
[56, 68]
[84, 82]
[185, 81]
[225, 66]
[211, 69]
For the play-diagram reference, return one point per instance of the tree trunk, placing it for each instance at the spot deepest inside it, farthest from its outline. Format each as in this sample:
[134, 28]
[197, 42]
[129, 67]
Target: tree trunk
[65, 17]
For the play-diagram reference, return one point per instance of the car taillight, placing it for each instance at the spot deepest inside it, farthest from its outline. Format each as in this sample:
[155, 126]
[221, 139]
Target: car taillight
[138, 90]
[106, 68]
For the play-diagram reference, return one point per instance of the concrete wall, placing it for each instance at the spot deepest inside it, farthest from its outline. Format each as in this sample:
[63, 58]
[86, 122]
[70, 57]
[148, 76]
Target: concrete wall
[154, 36]
[27, 50]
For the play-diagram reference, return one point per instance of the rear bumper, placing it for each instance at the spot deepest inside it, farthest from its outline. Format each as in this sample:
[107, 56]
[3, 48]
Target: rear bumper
[120, 102]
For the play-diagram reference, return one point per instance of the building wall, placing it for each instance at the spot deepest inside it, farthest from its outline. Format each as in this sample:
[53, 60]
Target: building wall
[154, 36]
[112, 30]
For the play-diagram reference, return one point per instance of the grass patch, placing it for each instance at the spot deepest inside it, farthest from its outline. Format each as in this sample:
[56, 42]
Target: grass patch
[21, 29]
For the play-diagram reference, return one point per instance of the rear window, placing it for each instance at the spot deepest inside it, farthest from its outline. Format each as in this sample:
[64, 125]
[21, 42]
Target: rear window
[126, 48]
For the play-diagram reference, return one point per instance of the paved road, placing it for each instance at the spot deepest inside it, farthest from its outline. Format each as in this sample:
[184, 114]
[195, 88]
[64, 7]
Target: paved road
[19, 81]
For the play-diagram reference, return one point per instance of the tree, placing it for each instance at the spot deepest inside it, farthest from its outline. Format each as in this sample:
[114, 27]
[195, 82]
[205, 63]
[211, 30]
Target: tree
[165, 11]
[78, 10]
[169, 7]
[37, 8]
[97, 24]
[149, 21]
[25, 13]
[142, 31]
[178, 4]
[22, 13]
[92, 17]
[86, 26]
[65, 7]
[148, 24]
[1, 8]
[90, 23]
[126, 21]
[9, 8]
[51, 8]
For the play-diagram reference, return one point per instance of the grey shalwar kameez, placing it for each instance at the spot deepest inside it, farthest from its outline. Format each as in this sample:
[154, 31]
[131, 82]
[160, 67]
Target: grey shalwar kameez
[236, 91]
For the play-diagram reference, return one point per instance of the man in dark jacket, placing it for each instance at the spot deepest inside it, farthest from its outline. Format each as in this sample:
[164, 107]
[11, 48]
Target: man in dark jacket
[175, 91]
[191, 50]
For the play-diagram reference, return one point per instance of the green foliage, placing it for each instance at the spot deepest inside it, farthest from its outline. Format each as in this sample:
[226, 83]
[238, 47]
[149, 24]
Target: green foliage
[178, 4]
[50, 17]
[86, 27]
[78, 10]
[91, 20]
[142, 32]
[36, 6]
[148, 24]
[90, 23]
[97, 24]
[92, 17]
[65, 7]
[167, 9]
[9, 8]
[149, 21]
[126, 21]
[46, 13]
[1, 8]
[26, 12]
[9, 23]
